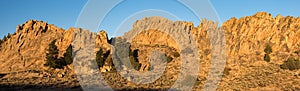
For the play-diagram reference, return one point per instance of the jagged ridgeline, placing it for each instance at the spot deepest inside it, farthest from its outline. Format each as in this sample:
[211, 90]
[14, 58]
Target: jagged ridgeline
[262, 52]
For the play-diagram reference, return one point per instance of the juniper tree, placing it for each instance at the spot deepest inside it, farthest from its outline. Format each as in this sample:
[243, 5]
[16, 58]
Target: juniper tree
[68, 55]
[267, 50]
[51, 56]
[100, 58]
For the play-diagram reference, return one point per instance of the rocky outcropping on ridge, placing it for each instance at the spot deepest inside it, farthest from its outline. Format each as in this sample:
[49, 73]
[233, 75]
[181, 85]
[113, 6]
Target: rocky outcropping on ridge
[246, 39]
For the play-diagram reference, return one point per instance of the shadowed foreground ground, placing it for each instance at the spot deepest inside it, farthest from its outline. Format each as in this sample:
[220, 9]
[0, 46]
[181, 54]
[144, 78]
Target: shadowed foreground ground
[39, 88]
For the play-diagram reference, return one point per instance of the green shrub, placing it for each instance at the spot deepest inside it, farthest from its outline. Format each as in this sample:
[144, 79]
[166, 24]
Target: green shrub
[100, 58]
[226, 71]
[267, 58]
[60, 63]
[52, 59]
[268, 49]
[68, 55]
[133, 62]
[176, 54]
[291, 64]
[133, 59]
[169, 59]
[110, 63]
[104, 57]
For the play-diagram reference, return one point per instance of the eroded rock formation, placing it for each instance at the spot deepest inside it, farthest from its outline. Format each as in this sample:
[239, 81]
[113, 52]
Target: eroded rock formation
[246, 39]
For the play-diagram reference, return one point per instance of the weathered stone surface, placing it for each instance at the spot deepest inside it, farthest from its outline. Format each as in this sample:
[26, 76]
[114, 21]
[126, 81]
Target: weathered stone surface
[26, 49]
[246, 39]
[23, 55]
[102, 40]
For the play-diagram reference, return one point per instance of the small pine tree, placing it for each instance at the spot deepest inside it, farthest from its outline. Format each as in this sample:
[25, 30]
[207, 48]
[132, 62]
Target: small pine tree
[110, 63]
[134, 60]
[169, 59]
[267, 58]
[176, 54]
[68, 55]
[51, 56]
[226, 71]
[59, 63]
[268, 49]
[100, 58]
[135, 63]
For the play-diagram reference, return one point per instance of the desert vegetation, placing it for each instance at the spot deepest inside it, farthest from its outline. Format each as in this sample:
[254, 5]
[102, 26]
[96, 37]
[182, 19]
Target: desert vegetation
[133, 57]
[244, 37]
[101, 57]
[52, 59]
[68, 55]
[291, 64]
[268, 51]
[104, 58]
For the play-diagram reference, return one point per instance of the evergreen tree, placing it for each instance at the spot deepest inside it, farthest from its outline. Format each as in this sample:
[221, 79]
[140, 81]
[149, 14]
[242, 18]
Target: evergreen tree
[100, 58]
[268, 51]
[68, 55]
[51, 56]
[134, 60]
[267, 58]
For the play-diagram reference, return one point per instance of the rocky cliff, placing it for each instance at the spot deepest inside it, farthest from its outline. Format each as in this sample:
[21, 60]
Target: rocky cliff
[246, 38]
[254, 32]
[23, 55]
[26, 48]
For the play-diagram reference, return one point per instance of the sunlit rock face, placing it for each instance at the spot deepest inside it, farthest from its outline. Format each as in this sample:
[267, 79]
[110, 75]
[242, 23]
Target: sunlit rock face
[23, 54]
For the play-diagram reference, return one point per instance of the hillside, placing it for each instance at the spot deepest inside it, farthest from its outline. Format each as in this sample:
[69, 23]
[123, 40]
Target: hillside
[23, 54]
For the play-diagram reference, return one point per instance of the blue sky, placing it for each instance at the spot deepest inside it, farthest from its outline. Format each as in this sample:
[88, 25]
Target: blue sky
[64, 13]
